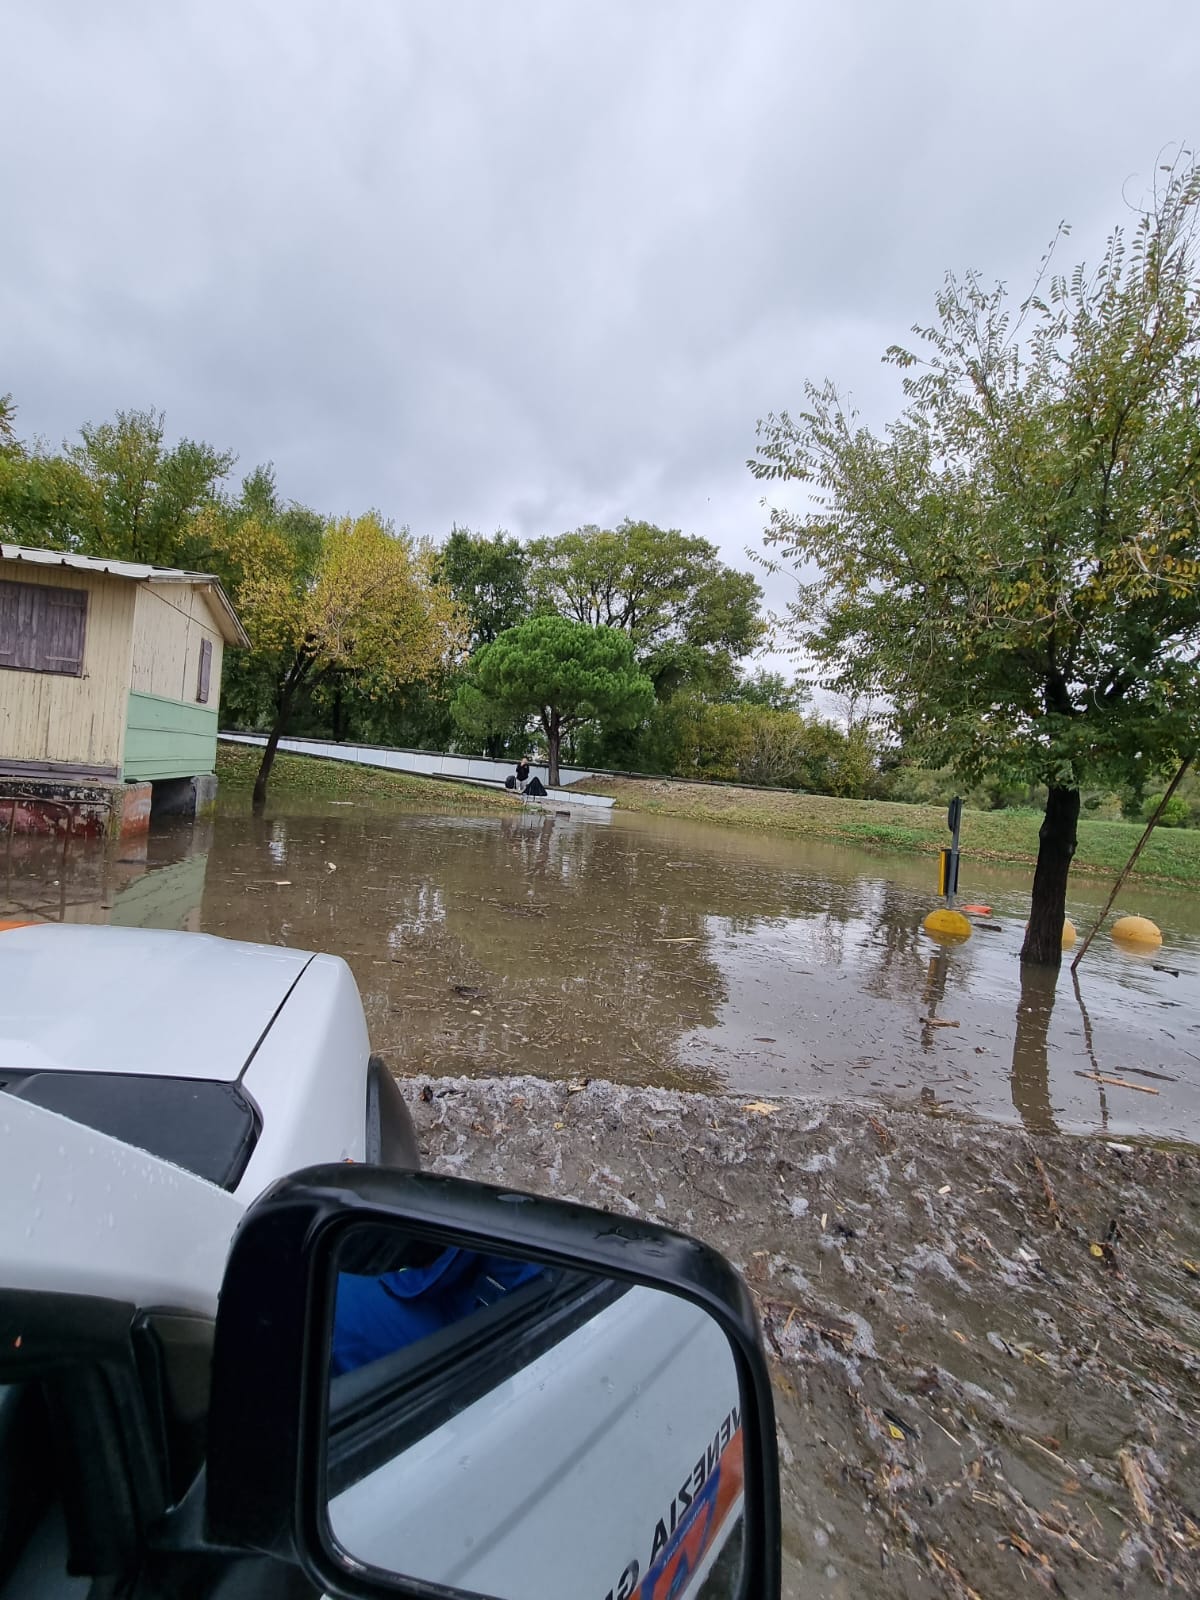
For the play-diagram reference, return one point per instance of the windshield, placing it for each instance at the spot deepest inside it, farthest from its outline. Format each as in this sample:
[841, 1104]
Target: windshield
[206, 1128]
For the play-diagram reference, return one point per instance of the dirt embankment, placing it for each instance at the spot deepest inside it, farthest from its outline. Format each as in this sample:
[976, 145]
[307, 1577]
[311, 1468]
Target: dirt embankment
[985, 1349]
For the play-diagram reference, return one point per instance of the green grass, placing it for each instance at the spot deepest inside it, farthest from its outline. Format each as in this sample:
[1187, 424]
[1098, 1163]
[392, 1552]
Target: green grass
[312, 779]
[1172, 855]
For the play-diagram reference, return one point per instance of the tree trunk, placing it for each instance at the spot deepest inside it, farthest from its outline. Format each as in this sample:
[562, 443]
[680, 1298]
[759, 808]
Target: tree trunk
[553, 739]
[267, 762]
[283, 711]
[1043, 937]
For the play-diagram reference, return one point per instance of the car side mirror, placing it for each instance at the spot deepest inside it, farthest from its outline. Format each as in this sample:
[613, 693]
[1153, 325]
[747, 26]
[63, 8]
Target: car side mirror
[429, 1387]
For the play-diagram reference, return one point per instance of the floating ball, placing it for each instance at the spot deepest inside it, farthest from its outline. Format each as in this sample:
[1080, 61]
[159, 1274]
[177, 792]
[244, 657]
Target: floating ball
[943, 924]
[1069, 934]
[1136, 930]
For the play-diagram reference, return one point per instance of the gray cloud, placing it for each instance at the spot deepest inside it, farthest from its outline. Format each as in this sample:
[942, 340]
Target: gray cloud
[532, 265]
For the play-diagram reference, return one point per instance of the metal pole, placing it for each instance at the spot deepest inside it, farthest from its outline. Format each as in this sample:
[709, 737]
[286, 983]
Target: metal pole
[954, 823]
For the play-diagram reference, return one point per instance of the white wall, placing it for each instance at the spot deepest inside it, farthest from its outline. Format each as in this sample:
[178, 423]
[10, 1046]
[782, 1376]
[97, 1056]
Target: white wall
[431, 763]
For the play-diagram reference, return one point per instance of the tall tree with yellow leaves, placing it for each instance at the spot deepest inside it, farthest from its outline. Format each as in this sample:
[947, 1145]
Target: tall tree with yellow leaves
[363, 602]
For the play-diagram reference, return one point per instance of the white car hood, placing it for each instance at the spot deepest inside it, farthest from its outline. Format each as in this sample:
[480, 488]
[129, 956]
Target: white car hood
[184, 1005]
[86, 1214]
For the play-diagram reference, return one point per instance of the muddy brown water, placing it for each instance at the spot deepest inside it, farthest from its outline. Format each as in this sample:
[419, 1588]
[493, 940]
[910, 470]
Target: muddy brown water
[651, 951]
[984, 1340]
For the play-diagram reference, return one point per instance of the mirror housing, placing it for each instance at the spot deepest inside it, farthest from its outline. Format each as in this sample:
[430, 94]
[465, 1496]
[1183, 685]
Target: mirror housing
[267, 1421]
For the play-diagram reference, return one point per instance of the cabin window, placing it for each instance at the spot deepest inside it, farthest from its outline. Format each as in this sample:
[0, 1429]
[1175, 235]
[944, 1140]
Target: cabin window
[205, 671]
[42, 628]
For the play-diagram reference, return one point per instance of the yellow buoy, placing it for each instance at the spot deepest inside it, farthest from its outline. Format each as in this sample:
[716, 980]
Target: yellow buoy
[1136, 930]
[943, 924]
[1069, 934]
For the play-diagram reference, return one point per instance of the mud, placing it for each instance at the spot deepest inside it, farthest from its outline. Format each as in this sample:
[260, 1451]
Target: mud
[985, 1346]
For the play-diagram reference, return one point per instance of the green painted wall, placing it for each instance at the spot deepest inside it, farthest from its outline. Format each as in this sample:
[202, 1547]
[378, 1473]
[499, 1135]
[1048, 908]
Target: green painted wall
[168, 738]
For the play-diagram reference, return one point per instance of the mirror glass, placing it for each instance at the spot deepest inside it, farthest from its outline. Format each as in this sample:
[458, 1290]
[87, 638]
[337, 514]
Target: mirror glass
[517, 1430]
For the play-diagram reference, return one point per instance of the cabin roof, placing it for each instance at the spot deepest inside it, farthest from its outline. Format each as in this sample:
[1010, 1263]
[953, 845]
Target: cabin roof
[137, 572]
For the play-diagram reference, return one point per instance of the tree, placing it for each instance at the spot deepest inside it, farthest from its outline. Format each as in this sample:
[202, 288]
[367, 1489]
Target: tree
[669, 592]
[565, 672]
[489, 580]
[365, 606]
[772, 691]
[1014, 562]
[119, 492]
[233, 538]
[45, 500]
[145, 496]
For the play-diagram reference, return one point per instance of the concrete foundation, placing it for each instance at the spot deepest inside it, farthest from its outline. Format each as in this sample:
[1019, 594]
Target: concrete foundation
[185, 797]
[88, 809]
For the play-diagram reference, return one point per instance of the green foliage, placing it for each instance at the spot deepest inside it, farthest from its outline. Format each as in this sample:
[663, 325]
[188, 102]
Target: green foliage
[361, 609]
[120, 492]
[563, 672]
[688, 615]
[1015, 561]
[771, 690]
[44, 499]
[921, 786]
[489, 580]
[1176, 813]
[144, 495]
[689, 736]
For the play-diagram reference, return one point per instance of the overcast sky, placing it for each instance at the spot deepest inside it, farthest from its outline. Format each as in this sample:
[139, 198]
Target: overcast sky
[530, 265]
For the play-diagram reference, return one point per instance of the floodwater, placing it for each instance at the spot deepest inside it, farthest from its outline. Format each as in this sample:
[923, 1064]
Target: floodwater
[982, 1348]
[659, 952]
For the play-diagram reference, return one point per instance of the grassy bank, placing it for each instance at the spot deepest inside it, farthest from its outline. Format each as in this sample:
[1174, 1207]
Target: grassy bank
[1172, 856]
[313, 779]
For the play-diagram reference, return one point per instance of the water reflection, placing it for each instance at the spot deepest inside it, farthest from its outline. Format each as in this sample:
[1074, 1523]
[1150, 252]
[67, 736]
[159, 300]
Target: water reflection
[654, 951]
[155, 881]
[1030, 1076]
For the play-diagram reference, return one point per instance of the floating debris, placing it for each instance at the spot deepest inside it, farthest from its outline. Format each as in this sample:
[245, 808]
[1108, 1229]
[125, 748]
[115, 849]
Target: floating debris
[902, 1424]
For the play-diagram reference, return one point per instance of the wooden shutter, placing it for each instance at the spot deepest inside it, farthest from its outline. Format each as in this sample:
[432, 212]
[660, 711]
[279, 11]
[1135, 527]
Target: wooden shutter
[42, 629]
[205, 670]
[10, 596]
[66, 617]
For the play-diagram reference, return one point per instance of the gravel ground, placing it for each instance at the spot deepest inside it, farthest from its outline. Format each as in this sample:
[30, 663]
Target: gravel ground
[985, 1348]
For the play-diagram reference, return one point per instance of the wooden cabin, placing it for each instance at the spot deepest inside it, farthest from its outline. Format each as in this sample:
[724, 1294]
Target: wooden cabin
[109, 670]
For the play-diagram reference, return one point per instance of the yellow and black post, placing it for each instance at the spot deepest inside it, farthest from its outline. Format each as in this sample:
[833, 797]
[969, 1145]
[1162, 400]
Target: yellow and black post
[946, 922]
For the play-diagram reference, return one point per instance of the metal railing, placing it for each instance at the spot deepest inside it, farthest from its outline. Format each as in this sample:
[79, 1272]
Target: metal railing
[16, 798]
